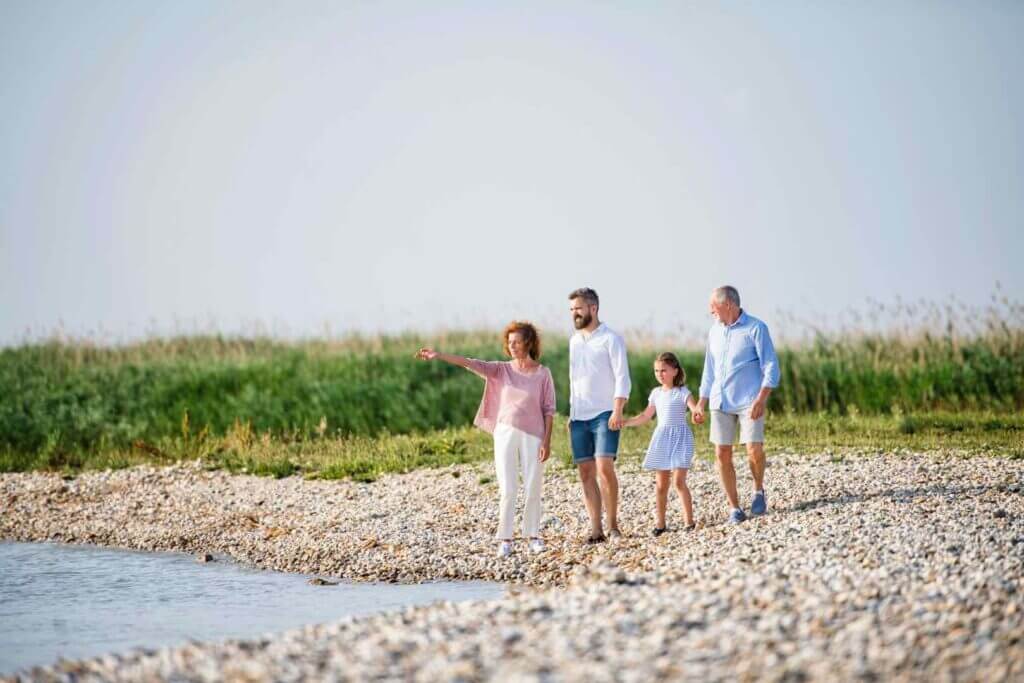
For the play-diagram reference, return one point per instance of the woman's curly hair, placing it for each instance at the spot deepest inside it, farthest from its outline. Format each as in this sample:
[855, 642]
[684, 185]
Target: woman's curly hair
[529, 333]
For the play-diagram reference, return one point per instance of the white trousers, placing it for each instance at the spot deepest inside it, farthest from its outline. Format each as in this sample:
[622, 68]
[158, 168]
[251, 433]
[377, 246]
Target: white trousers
[515, 450]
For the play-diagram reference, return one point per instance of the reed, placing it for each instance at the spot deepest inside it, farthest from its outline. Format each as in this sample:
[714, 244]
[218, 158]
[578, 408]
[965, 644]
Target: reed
[67, 400]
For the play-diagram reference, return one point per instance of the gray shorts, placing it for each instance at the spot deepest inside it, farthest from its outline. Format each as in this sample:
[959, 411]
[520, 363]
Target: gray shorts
[723, 427]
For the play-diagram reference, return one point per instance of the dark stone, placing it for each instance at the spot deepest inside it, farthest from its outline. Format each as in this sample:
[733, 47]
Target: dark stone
[317, 581]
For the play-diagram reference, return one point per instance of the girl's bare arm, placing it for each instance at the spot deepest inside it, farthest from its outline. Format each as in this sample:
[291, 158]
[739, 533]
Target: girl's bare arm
[641, 418]
[695, 411]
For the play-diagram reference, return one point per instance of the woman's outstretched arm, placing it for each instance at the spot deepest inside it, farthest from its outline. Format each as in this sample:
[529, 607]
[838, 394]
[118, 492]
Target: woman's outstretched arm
[431, 354]
[481, 367]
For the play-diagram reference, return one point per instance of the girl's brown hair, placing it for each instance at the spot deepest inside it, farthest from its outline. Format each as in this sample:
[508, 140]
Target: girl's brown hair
[669, 358]
[529, 333]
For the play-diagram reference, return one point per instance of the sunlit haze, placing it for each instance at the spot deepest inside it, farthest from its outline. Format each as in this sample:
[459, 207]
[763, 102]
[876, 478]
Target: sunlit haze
[319, 168]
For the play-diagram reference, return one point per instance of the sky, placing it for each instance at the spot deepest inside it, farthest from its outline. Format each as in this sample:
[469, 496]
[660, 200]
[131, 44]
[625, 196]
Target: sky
[311, 168]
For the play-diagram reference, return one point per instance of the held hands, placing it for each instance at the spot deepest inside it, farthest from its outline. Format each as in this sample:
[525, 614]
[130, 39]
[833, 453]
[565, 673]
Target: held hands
[615, 421]
[697, 414]
[427, 354]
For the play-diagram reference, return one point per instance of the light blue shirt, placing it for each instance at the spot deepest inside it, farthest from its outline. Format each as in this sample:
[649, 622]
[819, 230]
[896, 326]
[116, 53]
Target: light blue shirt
[739, 360]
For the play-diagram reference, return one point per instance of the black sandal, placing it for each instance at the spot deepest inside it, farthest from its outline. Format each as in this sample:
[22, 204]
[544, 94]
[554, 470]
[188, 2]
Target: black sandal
[593, 540]
[658, 531]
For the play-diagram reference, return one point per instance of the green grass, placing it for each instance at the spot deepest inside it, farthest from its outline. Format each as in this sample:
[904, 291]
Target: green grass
[365, 458]
[341, 408]
[61, 399]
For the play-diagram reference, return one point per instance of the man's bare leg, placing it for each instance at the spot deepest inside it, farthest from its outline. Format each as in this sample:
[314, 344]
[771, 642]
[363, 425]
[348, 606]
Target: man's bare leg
[591, 496]
[609, 490]
[727, 473]
[755, 453]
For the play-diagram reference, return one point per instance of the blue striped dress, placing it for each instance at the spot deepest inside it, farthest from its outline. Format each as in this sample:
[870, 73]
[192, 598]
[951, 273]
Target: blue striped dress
[672, 443]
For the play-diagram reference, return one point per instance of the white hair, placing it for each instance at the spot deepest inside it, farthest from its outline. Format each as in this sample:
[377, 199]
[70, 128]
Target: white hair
[726, 293]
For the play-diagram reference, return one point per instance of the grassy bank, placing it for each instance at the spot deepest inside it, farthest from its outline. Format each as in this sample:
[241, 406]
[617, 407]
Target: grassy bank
[365, 458]
[62, 400]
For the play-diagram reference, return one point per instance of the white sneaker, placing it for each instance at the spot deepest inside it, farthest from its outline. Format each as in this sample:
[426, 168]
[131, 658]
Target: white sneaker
[505, 549]
[536, 545]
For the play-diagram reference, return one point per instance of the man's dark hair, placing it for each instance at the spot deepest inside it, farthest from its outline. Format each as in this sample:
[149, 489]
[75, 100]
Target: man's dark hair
[587, 294]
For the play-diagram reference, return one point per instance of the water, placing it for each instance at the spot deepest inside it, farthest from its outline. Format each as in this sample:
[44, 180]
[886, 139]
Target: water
[79, 601]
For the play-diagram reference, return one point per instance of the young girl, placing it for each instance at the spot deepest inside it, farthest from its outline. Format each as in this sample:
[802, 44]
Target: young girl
[671, 449]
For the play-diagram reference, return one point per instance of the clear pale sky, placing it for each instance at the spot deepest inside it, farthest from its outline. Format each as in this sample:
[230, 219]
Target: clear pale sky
[378, 166]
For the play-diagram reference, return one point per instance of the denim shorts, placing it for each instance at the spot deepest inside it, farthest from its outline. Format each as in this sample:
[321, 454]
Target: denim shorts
[592, 438]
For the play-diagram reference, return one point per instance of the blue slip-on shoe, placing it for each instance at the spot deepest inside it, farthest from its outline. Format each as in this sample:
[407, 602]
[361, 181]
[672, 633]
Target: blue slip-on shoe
[759, 505]
[737, 517]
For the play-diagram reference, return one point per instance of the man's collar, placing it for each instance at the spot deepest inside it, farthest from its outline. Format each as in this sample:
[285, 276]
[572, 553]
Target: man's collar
[741, 318]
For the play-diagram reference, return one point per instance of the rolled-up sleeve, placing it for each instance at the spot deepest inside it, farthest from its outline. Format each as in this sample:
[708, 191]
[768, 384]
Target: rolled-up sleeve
[572, 357]
[547, 399]
[620, 367]
[766, 354]
[707, 376]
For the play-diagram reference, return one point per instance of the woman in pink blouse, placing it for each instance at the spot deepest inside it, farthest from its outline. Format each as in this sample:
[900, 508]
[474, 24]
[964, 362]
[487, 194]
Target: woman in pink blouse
[518, 407]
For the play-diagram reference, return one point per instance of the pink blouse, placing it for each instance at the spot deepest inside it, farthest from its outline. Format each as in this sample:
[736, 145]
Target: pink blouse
[515, 398]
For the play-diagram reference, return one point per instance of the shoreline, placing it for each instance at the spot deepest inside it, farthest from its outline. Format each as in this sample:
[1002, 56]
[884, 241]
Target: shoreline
[901, 566]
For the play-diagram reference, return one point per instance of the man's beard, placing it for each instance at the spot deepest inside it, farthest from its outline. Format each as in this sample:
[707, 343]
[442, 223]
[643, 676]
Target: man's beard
[581, 321]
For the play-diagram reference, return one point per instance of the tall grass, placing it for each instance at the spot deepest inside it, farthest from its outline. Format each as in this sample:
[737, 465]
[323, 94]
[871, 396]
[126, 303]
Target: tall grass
[364, 458]
[63, 400]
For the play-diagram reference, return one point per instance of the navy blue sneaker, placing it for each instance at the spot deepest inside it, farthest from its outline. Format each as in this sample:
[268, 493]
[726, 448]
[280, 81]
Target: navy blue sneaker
[737, 516]
[759, 505]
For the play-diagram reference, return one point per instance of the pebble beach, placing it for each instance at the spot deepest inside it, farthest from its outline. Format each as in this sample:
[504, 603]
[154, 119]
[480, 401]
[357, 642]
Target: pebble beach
[895, 566]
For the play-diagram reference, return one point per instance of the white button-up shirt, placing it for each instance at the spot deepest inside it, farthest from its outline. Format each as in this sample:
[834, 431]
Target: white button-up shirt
[598, 372]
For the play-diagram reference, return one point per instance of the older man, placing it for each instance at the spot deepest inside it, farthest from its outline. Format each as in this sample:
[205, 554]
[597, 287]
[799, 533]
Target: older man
[598, 390]
[740, 371]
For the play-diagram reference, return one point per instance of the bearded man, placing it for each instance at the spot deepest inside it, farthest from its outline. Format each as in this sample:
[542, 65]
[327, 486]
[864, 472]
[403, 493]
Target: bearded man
[599, 387]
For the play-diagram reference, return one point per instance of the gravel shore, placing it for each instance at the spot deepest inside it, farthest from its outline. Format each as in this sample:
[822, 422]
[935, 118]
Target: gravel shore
[896, 566]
